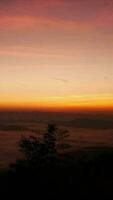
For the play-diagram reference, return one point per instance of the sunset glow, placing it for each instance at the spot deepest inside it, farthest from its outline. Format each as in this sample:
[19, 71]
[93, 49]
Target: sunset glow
[56, 55]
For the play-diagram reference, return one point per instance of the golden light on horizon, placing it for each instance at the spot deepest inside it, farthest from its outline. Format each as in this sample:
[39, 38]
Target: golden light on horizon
[61, 103]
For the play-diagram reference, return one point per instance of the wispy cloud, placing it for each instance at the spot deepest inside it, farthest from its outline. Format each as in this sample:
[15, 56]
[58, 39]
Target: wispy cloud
[60, 79]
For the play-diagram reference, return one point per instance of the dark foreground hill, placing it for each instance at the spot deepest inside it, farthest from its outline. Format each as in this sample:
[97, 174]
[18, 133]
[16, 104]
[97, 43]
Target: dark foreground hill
[87, 173]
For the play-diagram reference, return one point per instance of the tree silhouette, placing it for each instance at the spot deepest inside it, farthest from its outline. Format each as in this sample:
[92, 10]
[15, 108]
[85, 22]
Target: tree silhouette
[43, 151]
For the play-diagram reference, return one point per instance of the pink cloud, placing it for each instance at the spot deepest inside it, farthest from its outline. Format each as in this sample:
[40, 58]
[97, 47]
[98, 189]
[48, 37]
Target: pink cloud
[22, 23]
[56, 9]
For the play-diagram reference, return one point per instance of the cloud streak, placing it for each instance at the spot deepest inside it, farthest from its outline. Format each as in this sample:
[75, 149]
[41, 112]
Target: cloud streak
[28, 22]
[61, 80]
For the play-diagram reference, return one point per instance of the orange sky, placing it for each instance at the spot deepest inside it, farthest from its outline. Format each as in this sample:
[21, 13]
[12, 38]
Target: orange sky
[56, 54]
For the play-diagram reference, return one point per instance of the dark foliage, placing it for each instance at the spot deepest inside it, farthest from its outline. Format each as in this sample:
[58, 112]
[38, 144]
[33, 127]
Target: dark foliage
[44, 151]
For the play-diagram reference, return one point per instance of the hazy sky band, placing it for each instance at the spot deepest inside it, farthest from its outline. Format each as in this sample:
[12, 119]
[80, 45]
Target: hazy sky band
[55, 49]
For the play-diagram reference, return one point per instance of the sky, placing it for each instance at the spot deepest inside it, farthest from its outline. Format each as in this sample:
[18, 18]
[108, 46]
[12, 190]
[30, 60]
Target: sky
[56, 54]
